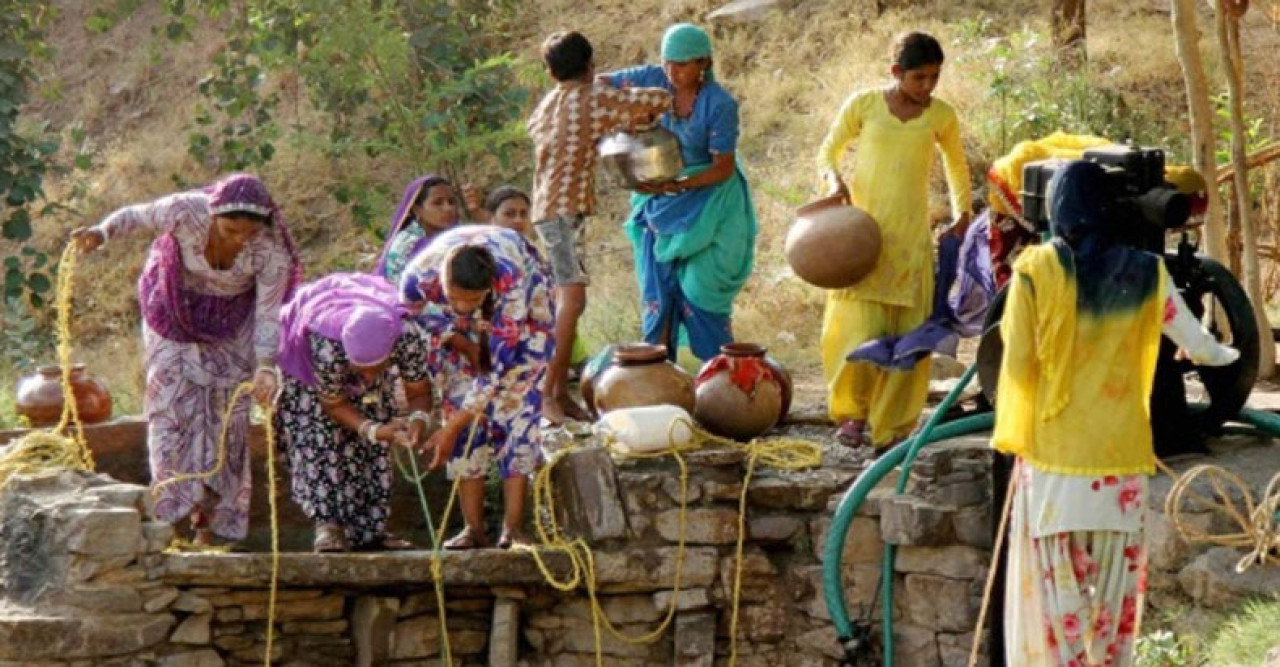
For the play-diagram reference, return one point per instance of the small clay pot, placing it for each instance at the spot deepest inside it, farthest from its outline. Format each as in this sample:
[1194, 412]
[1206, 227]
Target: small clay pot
[640, 376]
[739, 394]
[40, 398]
[832, 244]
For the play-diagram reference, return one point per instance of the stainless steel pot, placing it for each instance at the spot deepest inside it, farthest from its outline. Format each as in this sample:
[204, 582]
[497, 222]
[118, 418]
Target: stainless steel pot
[642, 157]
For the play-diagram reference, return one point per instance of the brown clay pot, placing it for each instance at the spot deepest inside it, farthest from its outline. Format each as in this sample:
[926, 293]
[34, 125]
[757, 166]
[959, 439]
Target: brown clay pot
[788, 385]
[39, 396]
[739, 394]
[641, 375]
[832, 244]
[591, 371]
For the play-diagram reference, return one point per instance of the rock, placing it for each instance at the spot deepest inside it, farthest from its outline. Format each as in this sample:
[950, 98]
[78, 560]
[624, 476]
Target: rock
[586, 492]
[315, 628]
[758, 623]
[774, 528]
[703, 526]
[160, 601]
[638, 570]
[941, 603]
[744, 11]
[715, 457]
[671, 485]
[85, 568]
[689, 599]
[105, 599]
[959, 493]
[953, 650]
[955, 562]
[418, 637]
[233, 642]
[1211, 579]
[1167, 549]
[195, 630]
[943, 367]
[315, 609]
[759, 577]
[974, 526]
[229, 615]
[908, 521]
[796, 489]
[695, 639]
[509, 592]
[262, 597]
[714, 490]
[192, 604]
[577, 636]
[631, 609]
[115, 531]
[824, 641]
[373, 622]
[862, 545]
[202, 658]
[158, 535]
[915, 646]
[504, 636]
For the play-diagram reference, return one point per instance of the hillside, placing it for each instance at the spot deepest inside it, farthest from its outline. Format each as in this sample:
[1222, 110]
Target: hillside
[135, 95]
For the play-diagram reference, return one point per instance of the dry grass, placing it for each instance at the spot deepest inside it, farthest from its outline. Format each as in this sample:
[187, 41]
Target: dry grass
[135, 94]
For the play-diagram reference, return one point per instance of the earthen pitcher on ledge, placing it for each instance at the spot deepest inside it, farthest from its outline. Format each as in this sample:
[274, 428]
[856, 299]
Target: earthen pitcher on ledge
[642, 376]
[39, 396]
[741, 393]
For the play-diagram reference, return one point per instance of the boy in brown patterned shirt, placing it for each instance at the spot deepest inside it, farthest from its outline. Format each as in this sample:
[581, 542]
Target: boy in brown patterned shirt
[566, 127]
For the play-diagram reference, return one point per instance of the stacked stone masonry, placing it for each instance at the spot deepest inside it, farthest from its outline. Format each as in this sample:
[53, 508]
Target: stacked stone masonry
[85, 580]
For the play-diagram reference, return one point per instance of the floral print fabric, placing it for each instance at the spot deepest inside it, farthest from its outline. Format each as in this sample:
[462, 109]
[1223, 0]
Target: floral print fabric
[1077, 569]
[338, 477]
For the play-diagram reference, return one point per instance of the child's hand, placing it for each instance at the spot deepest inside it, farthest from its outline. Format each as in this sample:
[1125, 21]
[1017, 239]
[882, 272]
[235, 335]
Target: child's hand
[473, 199]
[87, 239]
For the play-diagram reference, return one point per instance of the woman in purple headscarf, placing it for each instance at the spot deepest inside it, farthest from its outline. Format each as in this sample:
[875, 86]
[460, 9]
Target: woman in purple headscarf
[344, 348]
[210, 293]
[427, 208]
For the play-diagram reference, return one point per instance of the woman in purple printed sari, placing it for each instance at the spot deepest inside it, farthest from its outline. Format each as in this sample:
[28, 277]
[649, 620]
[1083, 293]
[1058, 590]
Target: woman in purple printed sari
[427, 208]
[211, 291]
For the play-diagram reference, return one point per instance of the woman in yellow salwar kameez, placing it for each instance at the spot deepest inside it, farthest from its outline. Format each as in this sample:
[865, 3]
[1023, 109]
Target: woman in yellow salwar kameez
[1082, 331]
[896, 129]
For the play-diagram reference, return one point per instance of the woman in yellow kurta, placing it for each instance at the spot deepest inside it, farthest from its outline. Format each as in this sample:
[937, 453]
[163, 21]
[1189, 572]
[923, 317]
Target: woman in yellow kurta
[1082, 331]
[896, 129]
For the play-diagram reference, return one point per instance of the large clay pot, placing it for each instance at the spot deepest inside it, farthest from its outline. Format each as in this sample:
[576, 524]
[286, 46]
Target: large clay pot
[739, 394]
[642, 376]
[597, 364]
[40, 396]
[832, 244]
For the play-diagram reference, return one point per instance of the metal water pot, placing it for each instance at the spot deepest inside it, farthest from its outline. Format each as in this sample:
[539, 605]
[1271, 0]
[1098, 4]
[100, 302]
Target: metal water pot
[642, 157]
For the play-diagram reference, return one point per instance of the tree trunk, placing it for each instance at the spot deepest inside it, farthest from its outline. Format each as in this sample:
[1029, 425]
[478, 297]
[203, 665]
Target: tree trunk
[1068, 26]
[1228, 17]
[1203, 142]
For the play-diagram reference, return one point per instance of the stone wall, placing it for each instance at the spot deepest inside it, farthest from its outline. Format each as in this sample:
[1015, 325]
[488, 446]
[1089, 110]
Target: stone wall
[84, 581]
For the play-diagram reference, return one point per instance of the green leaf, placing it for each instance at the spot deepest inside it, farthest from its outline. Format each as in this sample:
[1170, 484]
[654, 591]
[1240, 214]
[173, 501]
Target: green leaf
[18, 226]
[83, 161]
[39, 283]
[12, 263]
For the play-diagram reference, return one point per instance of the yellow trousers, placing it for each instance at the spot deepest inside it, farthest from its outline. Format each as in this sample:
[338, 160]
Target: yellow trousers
[890, 401]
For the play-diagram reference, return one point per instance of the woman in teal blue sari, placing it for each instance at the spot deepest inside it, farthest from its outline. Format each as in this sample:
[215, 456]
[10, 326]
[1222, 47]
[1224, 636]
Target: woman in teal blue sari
[694, 238]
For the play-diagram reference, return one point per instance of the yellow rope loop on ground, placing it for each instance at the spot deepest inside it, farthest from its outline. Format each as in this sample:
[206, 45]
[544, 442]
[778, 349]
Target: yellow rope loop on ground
[52, 449]
[788, 453]
[1258, 521]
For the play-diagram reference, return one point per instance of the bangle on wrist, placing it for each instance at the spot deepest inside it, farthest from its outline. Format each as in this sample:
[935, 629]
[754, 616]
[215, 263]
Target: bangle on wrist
[420, 416]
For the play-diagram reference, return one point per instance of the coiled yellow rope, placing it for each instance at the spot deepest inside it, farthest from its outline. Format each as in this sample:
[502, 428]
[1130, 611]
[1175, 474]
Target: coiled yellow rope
[788, 453]
[1258, 520]
[53, 449]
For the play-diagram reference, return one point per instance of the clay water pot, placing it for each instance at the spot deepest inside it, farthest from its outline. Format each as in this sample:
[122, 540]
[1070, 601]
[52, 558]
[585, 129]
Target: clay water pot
[739, 394]
[40, 398]
[598, 363]
[640, 376]
[788, 385]
[832, 244]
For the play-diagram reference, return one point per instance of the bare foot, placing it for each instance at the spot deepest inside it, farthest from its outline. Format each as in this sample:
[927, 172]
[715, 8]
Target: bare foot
[204, 537]
[571, 408]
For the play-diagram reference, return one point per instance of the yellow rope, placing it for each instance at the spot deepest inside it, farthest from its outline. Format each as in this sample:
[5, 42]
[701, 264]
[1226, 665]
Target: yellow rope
[52, 449]
[1259, 526]
[776, 452]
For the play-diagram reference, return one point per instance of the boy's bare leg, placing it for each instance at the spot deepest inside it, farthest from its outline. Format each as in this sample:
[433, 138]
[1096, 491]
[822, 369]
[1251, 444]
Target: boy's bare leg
[557, 405]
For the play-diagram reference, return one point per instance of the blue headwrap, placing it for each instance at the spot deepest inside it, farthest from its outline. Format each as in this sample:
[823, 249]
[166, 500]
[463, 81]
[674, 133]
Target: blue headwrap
[684, 42]
[1110, 276]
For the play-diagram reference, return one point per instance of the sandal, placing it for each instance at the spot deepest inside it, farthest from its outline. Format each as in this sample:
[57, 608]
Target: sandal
[468, 539]
[330, 539]
[514, 538]
[852, 433]
[388, 542]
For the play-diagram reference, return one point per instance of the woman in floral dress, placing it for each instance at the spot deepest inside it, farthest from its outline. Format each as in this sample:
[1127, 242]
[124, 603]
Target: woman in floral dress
[485, 302]
[1082, 330]
[210, 294]
[344, 346]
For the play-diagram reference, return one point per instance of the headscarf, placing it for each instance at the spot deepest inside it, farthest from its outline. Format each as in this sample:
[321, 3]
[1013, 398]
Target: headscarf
[187, 316]
[684, 42]
[416, 187]
[360, 311]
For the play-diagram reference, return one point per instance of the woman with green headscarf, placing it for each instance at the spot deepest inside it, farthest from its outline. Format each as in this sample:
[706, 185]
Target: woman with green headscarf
[694, 238]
